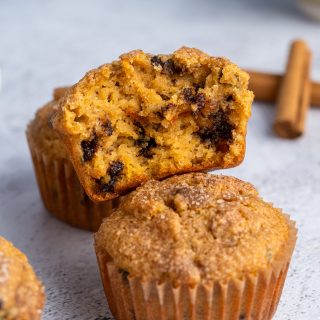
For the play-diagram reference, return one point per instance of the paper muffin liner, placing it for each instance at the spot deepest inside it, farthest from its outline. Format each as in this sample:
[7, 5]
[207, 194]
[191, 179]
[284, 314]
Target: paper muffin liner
[254, 297]
[63, 195]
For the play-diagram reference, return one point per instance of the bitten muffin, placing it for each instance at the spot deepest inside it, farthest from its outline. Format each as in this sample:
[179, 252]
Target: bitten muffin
[21, 293]
[58, 183]
[152, 116]
[194, 246]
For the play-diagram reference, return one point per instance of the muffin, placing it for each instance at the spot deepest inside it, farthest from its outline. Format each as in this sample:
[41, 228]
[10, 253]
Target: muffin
[152, 116]
[194, 246]
[21, 293]
[58, 183]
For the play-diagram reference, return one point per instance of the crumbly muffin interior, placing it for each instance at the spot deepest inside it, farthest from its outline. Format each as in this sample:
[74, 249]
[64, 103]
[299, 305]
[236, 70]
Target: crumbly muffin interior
[151, 116]
[193, 227]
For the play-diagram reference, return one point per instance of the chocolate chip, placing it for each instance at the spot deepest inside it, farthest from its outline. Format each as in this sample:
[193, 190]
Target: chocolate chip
[114, 172]
[107, 187]
[89, 147]
[200, 85]
[191, 97]
[164, 97]
[107, 126]
[188, 95]
[163, 110]
[170, 67]
[222, 146]
[140, 127]
[229, 98]
[156, 61]
[146, 146]
[115, 168]
[145, 142]
[1, 304]
[242, 317]
[200, 100]
[219, 131]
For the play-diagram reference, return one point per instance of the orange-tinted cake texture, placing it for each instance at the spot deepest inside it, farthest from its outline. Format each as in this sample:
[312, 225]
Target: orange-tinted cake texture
[152, 116]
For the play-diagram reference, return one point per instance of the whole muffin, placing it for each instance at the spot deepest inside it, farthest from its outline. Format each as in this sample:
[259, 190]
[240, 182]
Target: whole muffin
[195, 244]
[21, 293]
[59, 186]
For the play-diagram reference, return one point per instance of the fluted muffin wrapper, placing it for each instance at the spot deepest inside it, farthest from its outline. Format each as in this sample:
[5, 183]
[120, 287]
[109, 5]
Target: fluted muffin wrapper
[254, 297]
[62, 193]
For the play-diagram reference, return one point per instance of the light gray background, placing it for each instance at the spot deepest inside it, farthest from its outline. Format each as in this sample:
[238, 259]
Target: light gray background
[44, 44]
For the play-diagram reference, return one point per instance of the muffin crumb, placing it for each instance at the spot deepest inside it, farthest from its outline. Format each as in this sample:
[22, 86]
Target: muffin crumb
[166, 114]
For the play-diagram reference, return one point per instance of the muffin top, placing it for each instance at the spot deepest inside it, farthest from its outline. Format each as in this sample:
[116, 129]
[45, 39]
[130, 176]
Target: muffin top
[193, 227]
[21, 293]
[41, 133]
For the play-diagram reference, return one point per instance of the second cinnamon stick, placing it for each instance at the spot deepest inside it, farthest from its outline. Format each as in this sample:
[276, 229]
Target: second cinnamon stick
[294, 94]
[266, 87]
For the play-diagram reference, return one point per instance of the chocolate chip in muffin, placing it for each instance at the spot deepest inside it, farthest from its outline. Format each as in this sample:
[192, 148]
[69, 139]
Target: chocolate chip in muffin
[229, 98]
[114, 171]
[220, 129]
[89, 147]
[170, 67]
[200, 101]
[156, 61]
[107, 126]
[163, 110]
[188, 95]
[145, 142]
[164, 97]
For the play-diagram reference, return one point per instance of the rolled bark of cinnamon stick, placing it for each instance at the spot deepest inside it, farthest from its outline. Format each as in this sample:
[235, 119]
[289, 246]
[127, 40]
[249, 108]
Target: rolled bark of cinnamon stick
[265, 87]
[293, 100]
[305, 96]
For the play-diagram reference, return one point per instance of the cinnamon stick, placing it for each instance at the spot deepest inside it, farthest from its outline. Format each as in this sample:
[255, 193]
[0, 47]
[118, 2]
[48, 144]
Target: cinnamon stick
[305, 96]
[293, 99]
[266, 87]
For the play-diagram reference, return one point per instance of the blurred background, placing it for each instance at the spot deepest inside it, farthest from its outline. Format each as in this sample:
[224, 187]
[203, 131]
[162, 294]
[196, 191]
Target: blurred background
[46, 44]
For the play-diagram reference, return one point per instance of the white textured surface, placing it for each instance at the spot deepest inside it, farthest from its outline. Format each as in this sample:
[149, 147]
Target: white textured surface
[44, 44]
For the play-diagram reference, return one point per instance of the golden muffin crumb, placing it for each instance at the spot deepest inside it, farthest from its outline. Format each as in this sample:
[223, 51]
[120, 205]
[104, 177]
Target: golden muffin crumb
[21, 293]
[193, 227]
[151, 116]
[41, 133]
